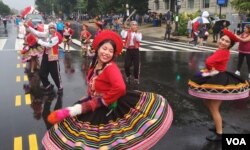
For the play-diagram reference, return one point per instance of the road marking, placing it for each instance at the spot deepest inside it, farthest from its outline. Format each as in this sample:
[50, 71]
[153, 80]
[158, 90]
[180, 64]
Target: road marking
[18, 100]
[163, 49]
[27, 99]
[18, 57]
[33, 142]
[32, 138]
[186, 44]
[19, 44]
[70, 48]
[18, 65]
[18, 78]
[24, 65]
[2, 43]
[77, 42]
[25, 78]
[146, 50]
[174, 47]
[18, 145]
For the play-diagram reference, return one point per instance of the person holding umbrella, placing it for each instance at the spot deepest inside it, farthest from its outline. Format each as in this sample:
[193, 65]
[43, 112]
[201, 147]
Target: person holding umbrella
[215, 85]
[244, 49]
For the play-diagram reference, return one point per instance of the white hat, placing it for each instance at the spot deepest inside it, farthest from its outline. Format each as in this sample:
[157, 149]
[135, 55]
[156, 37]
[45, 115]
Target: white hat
[52, 24]
[133, 22]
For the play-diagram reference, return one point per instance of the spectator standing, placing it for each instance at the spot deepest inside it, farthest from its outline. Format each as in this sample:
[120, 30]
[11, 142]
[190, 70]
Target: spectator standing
[244, 49]
[5, 22]
[60, 26]
[189, 27]
[168, 31]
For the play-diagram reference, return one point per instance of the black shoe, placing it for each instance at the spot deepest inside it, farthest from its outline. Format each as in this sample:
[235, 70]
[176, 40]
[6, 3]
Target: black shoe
[215, 137]
[212, 128]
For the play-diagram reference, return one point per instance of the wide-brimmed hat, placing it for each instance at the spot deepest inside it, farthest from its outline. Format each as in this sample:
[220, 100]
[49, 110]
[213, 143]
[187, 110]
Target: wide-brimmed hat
[67, 24]
[52, 25]
[108, 35]
[231, 35]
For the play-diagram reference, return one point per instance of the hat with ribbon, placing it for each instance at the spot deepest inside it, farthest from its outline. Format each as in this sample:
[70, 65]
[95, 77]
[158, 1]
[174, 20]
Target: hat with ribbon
[108, 35]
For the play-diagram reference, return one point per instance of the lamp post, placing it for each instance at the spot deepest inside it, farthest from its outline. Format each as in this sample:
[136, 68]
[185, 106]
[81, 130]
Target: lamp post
[178, 6]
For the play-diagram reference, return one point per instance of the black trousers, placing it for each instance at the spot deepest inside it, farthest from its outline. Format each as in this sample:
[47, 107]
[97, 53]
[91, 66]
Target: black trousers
[132, 57]
[241, 59]
[52, 68]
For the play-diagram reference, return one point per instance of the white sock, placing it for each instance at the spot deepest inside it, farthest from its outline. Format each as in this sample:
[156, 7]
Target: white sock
[237, 72]
[75, 110]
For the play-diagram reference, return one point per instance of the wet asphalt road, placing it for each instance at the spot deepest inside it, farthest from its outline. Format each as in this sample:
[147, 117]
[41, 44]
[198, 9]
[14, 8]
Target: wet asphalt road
[166, 73]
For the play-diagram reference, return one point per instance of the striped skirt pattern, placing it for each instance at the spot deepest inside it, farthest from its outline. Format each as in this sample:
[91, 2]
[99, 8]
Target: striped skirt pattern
[139, 121]
[223, 86]
[36, 51]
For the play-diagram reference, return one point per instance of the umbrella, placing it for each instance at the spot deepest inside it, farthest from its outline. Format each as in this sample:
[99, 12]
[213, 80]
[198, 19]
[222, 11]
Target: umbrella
[26, 11]
[214, 19]
[221, 21]
[202, 20]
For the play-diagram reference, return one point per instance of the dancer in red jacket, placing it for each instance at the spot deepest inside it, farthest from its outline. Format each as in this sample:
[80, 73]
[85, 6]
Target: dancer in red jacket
[215, 84]
[109, 117]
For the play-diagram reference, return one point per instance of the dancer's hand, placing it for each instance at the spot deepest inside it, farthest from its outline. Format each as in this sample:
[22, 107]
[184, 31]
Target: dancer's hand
[58, 115]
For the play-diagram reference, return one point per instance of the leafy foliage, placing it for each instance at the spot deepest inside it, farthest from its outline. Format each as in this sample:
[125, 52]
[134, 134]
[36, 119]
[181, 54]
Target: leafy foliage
[92, 7]
[4, 9]
[241, 5]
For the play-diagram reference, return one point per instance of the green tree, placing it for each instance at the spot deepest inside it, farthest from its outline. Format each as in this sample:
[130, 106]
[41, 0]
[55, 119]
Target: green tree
[44, 6]
[141, 6]
[104, 6]
[4, 9]
[65, 6]
[82, 5]
[241, 5]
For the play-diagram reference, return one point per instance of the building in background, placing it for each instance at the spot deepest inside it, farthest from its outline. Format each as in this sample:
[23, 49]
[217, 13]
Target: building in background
[190, 6]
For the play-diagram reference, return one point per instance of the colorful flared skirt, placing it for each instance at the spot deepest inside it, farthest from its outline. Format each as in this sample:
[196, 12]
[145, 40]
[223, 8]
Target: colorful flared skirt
[139, 121]
[35, 51]
[223, 86]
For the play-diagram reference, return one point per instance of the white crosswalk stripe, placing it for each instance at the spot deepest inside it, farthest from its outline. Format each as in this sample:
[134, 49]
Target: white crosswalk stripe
[2, 43]
[70, 47]
[186, 44]
[19, 44]
[177, 46]
[183, 46]
[145, 46]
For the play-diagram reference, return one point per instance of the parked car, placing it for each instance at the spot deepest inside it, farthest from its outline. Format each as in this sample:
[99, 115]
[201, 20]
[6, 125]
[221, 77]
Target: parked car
[35, 18]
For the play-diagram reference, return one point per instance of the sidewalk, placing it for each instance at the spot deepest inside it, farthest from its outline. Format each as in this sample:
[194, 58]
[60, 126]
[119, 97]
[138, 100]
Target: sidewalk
[158, 32]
